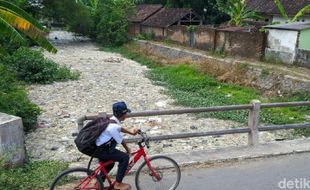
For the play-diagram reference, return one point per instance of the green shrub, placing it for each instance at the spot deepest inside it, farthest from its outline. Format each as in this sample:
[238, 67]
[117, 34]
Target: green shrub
[7, 46]
[31, 66]
[34, 175]
[14, 100]
[146, 36]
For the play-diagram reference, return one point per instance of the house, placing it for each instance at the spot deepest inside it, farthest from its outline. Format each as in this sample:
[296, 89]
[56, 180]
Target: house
[158, 23]
[140, 14]
[289, 43]
[268, 9]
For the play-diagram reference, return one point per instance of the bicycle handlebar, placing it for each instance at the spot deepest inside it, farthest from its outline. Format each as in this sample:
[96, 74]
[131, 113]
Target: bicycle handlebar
[145, 139]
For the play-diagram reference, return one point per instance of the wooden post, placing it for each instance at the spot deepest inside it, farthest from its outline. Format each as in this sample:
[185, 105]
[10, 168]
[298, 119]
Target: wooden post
[253, 136]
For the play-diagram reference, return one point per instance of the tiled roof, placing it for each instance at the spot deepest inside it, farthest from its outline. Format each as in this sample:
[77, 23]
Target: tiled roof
[142, 12]
[268, 6]
[167, 17]
[236, 28]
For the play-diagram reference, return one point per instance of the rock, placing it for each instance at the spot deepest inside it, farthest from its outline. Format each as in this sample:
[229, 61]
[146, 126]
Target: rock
[113, 60]
[154, 132]
[193, 127]
[167, 145]
[54, 148]
[161, 104]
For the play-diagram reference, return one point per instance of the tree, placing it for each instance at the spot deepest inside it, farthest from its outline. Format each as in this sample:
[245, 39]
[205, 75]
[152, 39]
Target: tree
[90, 4]
[109, 20]
[282, 11]
[207, 9]
[111, 23]
[14, 19]
[237, 11]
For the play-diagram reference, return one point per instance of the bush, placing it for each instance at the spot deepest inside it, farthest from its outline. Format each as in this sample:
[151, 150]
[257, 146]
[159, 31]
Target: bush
[8, 46]
[146, 36]
[14, 100]
[30, 66]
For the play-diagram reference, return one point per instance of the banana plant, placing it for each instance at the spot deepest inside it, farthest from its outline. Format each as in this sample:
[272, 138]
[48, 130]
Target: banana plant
[301, 13]
[237, 11]
[14, 19]
[282, 11]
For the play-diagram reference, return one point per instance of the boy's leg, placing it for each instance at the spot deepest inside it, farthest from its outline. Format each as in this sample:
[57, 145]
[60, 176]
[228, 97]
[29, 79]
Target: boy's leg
[108, 168]
[123, 159]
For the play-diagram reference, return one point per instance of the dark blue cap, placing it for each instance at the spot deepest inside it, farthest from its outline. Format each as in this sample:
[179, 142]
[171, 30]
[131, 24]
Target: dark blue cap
[120, 109]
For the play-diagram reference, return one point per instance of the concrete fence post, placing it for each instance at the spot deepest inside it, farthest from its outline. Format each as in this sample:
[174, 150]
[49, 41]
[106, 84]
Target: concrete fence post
[253, 120]
[12, 147]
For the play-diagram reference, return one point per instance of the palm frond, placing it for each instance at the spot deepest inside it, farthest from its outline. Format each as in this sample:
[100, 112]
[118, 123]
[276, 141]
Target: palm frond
[18, 11]
[28, 28]
[8, 30]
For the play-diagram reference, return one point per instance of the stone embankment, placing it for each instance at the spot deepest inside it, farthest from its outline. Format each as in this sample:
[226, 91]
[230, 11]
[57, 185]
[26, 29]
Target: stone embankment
[269, 78]
[106, 78]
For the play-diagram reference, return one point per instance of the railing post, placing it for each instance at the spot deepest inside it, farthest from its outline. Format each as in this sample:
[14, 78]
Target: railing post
[253, 136]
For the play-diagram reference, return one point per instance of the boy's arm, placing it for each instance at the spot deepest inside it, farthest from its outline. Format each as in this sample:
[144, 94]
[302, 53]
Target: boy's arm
[133, 132]
[126, 147]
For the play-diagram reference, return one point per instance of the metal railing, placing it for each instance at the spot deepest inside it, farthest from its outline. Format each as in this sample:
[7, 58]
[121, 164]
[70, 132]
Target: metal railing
[253, 128]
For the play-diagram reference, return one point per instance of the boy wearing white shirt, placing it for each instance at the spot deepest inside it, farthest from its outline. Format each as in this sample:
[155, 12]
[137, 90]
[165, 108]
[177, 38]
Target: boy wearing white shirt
[108, 140]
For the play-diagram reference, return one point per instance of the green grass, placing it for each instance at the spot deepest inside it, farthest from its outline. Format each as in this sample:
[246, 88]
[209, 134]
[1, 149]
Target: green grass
[35, 175]
[191, 88]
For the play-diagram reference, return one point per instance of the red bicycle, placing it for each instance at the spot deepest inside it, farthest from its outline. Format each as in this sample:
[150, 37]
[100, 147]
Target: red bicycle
[158, 172]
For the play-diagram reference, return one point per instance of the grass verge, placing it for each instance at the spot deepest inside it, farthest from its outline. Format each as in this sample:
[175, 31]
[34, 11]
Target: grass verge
[34, 175]
[194, 89]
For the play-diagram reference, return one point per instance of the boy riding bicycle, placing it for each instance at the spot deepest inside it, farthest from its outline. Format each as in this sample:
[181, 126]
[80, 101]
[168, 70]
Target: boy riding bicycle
[108, 140]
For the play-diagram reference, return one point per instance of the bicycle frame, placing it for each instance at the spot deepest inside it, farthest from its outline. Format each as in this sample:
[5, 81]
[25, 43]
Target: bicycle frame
[137, 155]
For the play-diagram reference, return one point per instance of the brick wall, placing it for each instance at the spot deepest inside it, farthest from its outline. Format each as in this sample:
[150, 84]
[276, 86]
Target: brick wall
[240, 43]
[204, 37]
[157, 31]
[244, 44]
[302, 58]
[178, 34]
[133, 29]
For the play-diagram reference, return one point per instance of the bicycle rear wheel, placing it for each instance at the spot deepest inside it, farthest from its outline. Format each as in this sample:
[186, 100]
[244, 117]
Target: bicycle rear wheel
[75, 179]
[166, 168]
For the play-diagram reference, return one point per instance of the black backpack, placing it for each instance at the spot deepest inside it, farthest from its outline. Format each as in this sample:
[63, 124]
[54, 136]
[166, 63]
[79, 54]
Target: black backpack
[86, 139]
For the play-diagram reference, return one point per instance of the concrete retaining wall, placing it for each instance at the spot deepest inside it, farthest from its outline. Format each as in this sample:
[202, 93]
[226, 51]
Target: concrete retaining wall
[279, 56]
[12, 148]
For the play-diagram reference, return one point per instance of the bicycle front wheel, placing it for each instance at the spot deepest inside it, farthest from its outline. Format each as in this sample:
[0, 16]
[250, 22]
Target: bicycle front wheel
[77, 179]
[167, 171]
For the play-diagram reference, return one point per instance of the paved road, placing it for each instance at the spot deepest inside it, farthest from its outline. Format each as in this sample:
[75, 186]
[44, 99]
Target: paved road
[285, 172]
